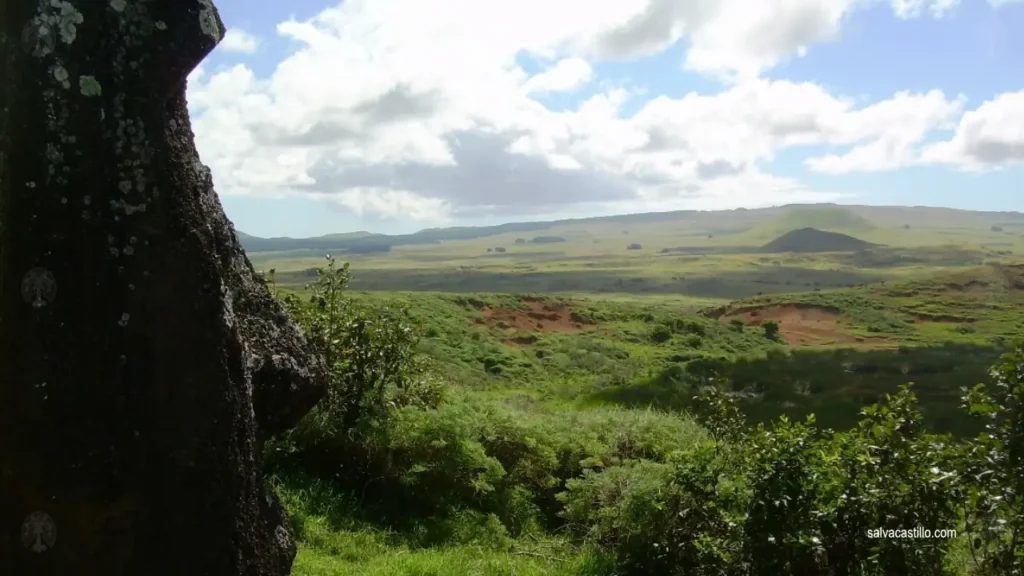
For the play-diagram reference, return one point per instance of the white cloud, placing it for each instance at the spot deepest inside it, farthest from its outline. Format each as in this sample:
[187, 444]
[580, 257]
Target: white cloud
[899, 125]
[730, 38]
[990, 136]
[238, 40]
[567, 74]
[403, 109]
[916, 8]
[394, 204]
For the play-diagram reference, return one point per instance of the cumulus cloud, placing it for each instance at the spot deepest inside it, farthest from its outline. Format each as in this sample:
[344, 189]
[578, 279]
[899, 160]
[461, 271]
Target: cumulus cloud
[989, 136]
[567, 74]
[400, 109]
[915, 8]
[238, 40]
[901, 124]
[730, 38]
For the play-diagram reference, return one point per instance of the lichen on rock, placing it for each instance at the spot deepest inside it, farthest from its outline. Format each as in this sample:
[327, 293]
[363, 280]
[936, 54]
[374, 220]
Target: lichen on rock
[208, 20]
[61, 76]
[109, 194]
[53, 18]
[89, 86]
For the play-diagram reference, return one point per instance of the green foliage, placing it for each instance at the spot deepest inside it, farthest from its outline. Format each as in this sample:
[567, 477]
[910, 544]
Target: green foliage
[720, 414]
[771, 329]
[398, 461]
[370, 352]
[794, 499]
[993, 493]
[661, 334]
[894, 476]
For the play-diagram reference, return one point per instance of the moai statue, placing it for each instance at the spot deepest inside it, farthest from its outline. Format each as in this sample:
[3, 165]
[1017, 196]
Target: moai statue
[143, 363]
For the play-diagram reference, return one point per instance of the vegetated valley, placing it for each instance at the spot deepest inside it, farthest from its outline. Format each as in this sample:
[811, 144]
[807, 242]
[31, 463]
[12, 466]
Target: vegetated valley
[734, 392]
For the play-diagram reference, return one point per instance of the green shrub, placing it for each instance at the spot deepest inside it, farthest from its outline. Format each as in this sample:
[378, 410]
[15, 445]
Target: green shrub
[992, 491]
[661, 334]
[394, 446]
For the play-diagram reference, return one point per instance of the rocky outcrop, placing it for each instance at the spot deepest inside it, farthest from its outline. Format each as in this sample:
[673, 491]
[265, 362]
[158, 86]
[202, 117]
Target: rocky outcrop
[142, 361]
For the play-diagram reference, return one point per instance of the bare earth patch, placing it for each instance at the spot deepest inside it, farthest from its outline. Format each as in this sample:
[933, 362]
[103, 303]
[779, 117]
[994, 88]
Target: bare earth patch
[537, 318]
[801, 325]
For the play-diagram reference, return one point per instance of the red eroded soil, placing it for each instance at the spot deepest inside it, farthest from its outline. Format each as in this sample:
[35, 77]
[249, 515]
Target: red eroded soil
[538, 317]
[800, 325]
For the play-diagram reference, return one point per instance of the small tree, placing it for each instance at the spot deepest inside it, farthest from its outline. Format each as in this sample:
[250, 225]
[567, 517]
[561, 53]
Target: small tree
[993, 492]
[370, 354]
[771, 329]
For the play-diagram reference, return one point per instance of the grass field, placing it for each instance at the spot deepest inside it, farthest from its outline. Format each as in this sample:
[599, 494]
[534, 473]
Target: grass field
[586, 337]
[712, 257]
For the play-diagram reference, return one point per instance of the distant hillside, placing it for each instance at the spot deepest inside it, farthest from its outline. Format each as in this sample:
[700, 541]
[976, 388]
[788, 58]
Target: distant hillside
[820, 217]
[825, 218]
[762, 223]
[814, 240]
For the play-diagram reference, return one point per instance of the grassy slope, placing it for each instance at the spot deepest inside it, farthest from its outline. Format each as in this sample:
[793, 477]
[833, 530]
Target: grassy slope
[940, 319]
[594, 258]
[572, 380]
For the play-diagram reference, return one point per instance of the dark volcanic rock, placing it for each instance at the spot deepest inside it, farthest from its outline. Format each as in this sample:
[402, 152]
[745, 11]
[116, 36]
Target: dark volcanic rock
[142, 361]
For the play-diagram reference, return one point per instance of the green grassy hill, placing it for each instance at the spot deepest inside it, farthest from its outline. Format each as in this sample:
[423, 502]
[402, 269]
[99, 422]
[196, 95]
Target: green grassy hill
[564, 416]
[763, 223]
[824, 217]
[531, 405]
[811, 240]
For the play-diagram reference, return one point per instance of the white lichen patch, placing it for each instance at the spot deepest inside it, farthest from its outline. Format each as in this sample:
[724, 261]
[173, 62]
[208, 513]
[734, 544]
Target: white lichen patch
[161, 25]
[53, 155]
[118, 5]
[61, 75]
[55, 18]
[124, 320]
[89, 86]
[208, 20]
[127, 208]
[66, 21]
[37, 37]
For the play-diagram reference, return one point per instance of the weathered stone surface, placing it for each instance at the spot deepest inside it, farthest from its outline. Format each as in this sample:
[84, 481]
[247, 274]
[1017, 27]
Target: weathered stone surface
[142, 362]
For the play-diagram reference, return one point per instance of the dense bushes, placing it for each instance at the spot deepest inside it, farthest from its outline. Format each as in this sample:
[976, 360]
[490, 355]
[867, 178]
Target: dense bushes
[658, 492]
[793, 499]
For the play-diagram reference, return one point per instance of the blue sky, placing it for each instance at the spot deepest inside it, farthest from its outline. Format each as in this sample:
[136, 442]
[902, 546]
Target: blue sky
[392, 115]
